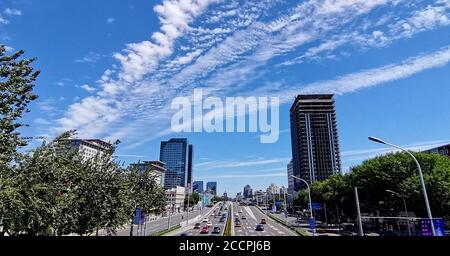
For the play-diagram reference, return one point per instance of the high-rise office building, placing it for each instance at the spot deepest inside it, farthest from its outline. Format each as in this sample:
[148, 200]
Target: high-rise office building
[211, 187]
[190, 156]
[248, 192]
[314, 137]
[198, 187]
[175, 154]
[290, 172]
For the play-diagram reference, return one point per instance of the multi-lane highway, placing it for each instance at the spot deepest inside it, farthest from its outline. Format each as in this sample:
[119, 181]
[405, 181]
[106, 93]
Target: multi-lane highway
[253, 218]
[214, 217]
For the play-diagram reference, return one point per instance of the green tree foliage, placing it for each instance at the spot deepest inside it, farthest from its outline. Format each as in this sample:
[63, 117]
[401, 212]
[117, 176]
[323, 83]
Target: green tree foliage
[396, 172]
[144, 193]
[16, 91]
[194, 198]
[53, 190]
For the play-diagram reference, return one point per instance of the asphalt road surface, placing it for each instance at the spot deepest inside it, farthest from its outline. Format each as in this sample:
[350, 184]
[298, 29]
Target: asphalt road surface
[254, 216]
[215, 222]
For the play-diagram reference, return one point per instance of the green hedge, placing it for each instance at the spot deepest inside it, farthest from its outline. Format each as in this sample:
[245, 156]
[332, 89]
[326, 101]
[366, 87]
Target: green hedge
[165, 231]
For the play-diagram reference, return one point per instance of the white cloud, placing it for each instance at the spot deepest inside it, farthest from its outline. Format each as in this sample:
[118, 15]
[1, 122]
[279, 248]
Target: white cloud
[235, 52]
[242, 176]
[88, 88]
[235, 164]
[175, 16]
[3, 21]
[372, 77]
[110, 20]
[12, 12]
[91, 57]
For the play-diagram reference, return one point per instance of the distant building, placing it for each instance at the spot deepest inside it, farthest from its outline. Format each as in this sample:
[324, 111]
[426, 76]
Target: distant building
[90, 148]
[211, 187]
[198, 187]
[175, 198]
[441, 150]
[260, 197]
[157, 168]
[248, 192]
[283, 190]
[177, 154]
[225, 195]
[314, 137]
[273, 189]
[290, 172]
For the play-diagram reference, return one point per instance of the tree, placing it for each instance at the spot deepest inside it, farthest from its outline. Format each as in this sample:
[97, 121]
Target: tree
[396, 172]
[144, 192]
[16, 92]
[194, 198]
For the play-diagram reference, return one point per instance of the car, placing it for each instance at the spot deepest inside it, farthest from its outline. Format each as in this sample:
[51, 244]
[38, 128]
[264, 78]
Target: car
[209, 224]
[216, 230]
[205, 230]
[263, 221]
[240, 211]
[197, 225]
[243, 217]
[237, 224]
[205, 220]
[184, 234]
[222, 219]
[259, 227]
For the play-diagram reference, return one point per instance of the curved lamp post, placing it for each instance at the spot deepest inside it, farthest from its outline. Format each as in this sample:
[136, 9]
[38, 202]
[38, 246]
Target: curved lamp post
[422, 183]
[309, 194]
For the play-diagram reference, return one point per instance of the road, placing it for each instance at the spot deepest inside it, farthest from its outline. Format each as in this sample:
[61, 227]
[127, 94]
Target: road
[215, 222]
[254, 216]
[160, 224]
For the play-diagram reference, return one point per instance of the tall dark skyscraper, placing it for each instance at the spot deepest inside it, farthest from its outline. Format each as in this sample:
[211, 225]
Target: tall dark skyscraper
[190, 156]
[198, 187]
[211, 187]
[177, 155]
[314, 137]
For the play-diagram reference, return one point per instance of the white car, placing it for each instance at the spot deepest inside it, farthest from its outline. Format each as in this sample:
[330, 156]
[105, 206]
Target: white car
[205, 220]
[209, 224]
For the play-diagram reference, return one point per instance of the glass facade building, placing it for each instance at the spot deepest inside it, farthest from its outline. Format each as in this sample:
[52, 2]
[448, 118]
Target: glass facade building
[211, 187]
[175, 154]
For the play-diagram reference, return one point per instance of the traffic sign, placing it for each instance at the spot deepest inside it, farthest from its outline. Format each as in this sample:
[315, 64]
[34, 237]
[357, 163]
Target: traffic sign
[438, 227]
[137, 216]
[312, 223]
[316, 206]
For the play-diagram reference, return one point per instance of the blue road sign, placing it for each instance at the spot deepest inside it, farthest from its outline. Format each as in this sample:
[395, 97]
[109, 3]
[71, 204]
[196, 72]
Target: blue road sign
[438, 227]
[312, 223]
[137, 216]
[316, 206]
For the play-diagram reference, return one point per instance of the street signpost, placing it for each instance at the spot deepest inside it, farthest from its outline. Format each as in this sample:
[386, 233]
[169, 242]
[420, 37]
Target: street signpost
[427, 228]
[316, 206]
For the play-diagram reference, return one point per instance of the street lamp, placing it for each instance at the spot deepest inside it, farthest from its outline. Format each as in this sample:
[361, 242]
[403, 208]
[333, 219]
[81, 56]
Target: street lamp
[422, 182]
[404, 204]
[309, 194]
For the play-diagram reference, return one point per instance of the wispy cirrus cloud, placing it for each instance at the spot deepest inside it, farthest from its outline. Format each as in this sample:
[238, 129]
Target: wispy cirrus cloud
[229, 48]
[234, 163]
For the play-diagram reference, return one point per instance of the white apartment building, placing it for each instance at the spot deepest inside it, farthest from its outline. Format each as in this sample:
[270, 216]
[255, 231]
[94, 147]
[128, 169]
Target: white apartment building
[88, 149]
[175, 198]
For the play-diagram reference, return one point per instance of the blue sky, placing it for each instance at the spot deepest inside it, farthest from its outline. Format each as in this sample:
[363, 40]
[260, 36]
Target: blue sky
[110, 69]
